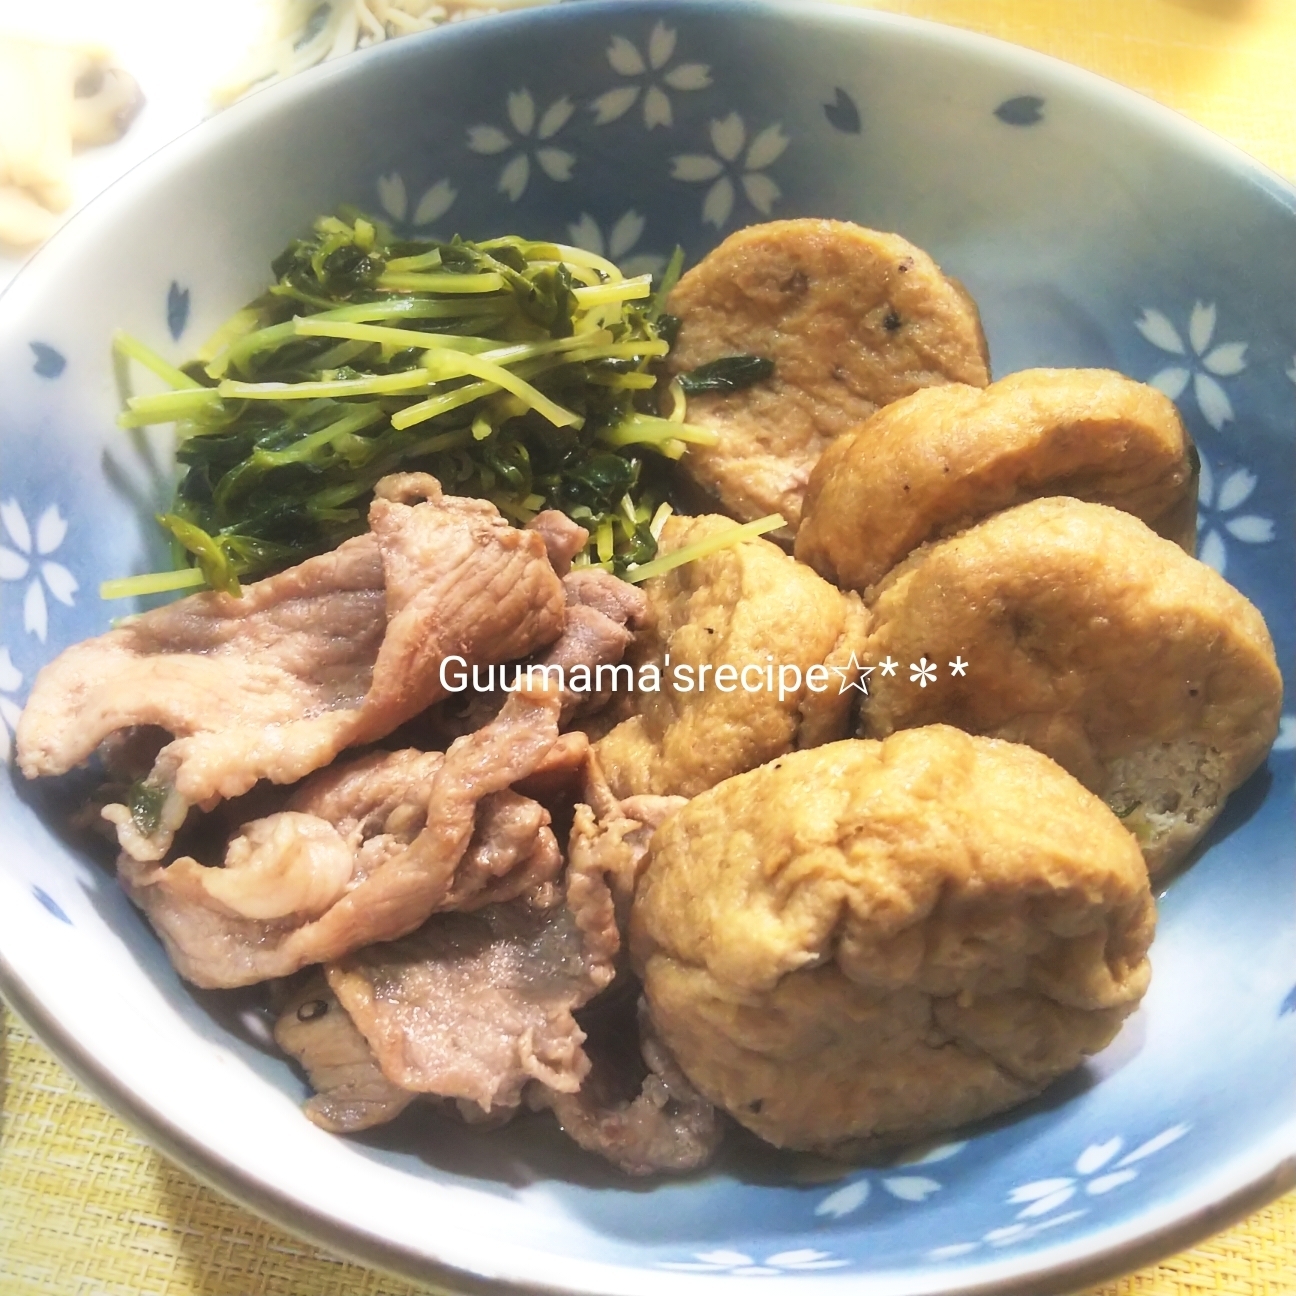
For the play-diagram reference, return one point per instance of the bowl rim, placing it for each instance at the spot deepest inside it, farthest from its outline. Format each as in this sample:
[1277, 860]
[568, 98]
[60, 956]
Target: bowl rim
[1244, 1186]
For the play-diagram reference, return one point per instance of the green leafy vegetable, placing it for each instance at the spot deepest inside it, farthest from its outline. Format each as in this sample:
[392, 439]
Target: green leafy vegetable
[514, 370]
[727, 374]
[146, 801]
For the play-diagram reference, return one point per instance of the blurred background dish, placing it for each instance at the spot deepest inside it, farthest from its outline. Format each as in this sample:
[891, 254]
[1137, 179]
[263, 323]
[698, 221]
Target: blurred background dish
[75, 76]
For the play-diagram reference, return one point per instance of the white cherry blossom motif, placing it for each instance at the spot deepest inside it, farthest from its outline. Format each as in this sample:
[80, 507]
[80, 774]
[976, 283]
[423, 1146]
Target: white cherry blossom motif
[739, 1264]
[1097, 1172]
[730, 166]
[1217, 513]
[902, 1184]
[1291, 373]
[1203, 365]
[1286, 740]
[29, 561]
[625, 233]
[436, 200]
[531, 135]
[10, 682]
[625, 58]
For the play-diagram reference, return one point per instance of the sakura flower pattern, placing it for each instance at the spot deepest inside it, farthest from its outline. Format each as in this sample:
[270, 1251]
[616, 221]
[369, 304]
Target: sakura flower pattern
[730, 166]
[1204, 364]
[1217, 513]
[904, 1186]
[624, 235]
[1291, 373]
[10, 682]
[738, 1264]
[434, 203]
[531, 133]
[29, 561]
[625, 58]
[1096, 1173]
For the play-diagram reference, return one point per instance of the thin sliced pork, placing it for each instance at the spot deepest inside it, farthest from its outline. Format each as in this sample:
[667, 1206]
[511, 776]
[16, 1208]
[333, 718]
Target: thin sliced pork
[475, 1006]
[638, 1112]
[351, 1093]
[336, 651]
[295, 890]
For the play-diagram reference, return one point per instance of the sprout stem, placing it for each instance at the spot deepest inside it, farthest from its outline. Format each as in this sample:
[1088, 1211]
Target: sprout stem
[318, 326]
[702, 548]
[126, 345]
[377, 384]
[442, 283]
[151, 583]
[446, 364]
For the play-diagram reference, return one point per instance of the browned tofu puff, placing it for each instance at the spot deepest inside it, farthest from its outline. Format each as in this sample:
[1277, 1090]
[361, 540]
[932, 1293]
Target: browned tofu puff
[937, 461]
[852, 319]
[1138, 669]
[747, 608]
[873, 942]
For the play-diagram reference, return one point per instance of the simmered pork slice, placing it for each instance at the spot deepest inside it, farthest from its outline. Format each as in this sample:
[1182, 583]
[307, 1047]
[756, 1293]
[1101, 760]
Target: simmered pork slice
[379, 804]
[474, 1006]
[298, 889]
[609, 846]
[636, 1108]
[852, 318]
[602, 612]
[351, 1092]
[563, 538]
[337, 651]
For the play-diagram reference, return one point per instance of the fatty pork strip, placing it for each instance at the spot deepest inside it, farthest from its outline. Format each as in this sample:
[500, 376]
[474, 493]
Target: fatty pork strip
[562, 537]
[297, 888]
[602, 611]
[336, 651]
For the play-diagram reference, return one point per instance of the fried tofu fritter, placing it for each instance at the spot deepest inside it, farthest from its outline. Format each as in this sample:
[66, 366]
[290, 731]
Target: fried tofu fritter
[1138, 669]
[853, 319]
[872, 942]
[750, 606]
[936, 462]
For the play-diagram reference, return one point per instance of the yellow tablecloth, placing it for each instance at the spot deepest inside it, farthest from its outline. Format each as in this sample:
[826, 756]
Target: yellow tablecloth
[88, 1209]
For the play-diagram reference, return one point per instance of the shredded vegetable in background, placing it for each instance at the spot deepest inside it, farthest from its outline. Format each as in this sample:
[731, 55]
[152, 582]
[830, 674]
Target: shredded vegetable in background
[298, 34]
[517, 371]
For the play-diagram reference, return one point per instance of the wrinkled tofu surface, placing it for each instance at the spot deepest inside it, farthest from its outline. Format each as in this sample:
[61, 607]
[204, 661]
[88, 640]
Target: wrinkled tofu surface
[750, 607]
[852, 318]
[1091, 639]
[878, 941]
[936, 462]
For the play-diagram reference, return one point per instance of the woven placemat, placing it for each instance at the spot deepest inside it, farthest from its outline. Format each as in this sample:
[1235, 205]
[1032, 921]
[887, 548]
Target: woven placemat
[1228, 64]
[87, 1208]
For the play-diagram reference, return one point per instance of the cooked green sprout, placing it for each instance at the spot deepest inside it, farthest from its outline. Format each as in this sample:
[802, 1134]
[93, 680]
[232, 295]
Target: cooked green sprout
[703, 548]
[518, 371]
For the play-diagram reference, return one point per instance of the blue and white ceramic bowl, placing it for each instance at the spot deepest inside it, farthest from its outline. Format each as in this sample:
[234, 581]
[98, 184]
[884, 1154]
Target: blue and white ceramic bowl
[1093, 228]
